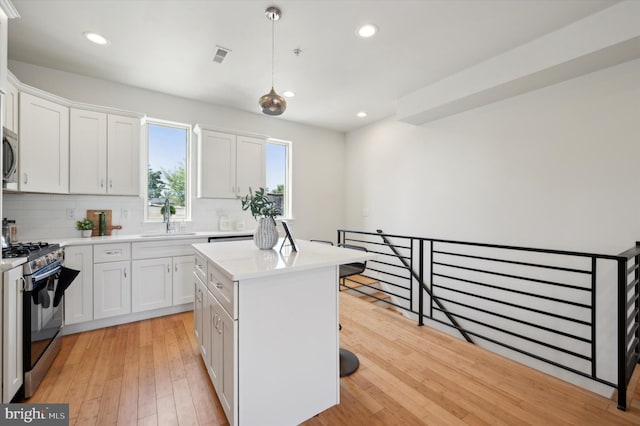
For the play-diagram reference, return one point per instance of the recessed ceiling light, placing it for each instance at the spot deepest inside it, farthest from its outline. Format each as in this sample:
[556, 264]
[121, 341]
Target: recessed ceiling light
[289, 94]
[366, 31]
[361, 114]
[96, 38]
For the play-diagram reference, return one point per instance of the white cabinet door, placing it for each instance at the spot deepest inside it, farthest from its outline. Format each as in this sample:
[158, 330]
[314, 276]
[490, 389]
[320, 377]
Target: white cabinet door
[87, 152]
[4, 27]
[216, 165]
[123, 158]
[152, 287]
[227, 329]
[211, 359]
[44, 145]
[250, 164]
[182, 273]
[12, 368]
[78, 298]
[197, 309]
[10, 108]
[111, 289]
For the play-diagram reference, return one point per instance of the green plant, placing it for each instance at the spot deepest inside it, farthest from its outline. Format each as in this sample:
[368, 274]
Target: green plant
[172, 209]
[260, 204]
[84, 225]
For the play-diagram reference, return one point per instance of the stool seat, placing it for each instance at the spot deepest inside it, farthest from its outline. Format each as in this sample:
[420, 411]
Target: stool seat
[349, 362]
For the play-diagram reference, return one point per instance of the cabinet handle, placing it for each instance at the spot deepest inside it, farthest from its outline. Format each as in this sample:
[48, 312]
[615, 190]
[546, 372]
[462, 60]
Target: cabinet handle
[101, 183]
[24, 284]
[176, 267]
[168, 268]
[110, 183]
[125, 272]
[113, 252]
[26, 178]
[219, 286]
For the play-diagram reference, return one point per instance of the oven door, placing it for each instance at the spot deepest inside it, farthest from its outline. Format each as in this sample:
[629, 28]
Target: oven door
[42, 317]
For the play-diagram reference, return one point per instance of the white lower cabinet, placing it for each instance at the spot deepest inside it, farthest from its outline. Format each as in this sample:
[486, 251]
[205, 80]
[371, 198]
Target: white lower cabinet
[199, 291]
[111, 289]
[162, 273]
[182, 272]
[78, 298]
[153, 280]
[11, 325]
[222, 357]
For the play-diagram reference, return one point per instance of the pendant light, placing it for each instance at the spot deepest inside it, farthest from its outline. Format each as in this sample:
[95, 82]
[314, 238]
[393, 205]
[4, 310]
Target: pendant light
[272, 103]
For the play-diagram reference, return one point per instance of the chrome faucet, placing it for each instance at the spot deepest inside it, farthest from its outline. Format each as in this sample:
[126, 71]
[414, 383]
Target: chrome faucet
[166, 217]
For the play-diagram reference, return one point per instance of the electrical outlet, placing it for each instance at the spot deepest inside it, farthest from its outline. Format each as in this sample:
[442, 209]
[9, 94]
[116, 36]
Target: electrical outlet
[71, 214]
[124, 213]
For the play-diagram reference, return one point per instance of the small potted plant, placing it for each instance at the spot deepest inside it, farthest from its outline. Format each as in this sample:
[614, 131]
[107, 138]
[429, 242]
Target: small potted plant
[264, 210]
[85, 226]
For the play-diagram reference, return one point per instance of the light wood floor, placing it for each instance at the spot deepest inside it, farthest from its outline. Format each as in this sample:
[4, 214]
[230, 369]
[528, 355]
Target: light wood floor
[150, 373]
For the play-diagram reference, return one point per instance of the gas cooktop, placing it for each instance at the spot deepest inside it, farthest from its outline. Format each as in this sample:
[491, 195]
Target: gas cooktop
[29, 250]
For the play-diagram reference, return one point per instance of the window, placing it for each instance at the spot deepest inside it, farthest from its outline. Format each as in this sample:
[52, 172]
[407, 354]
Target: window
[168, 169]
[278, 174]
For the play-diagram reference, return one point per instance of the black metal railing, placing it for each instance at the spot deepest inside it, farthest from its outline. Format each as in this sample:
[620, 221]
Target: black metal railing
[545, 308]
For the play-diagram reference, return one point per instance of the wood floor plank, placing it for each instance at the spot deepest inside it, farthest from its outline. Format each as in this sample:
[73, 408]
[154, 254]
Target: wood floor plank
[167, 415]
[128, 405]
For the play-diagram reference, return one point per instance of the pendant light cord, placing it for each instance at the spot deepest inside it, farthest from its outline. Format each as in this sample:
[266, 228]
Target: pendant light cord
[273, 48]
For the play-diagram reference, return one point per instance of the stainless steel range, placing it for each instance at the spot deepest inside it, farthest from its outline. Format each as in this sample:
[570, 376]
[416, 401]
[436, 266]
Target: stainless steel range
[43, 308]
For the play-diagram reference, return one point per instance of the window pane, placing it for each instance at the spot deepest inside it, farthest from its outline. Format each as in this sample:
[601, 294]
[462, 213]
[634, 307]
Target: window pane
[167, 154]
[277, 175]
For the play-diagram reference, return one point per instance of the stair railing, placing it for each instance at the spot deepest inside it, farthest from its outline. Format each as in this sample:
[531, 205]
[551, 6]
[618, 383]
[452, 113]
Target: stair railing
[549, 306]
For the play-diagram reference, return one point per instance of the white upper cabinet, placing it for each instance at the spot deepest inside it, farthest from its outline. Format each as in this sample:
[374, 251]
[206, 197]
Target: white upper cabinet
[250, 164]
[123, 155]
[88, 152]
[229, 164]
[216, 165]
[10, 108]
[104, 153]
[44, 145]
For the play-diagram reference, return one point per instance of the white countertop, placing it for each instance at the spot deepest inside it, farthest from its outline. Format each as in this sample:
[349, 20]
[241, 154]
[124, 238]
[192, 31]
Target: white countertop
[6, 264]
[152, 236]
[242, 259]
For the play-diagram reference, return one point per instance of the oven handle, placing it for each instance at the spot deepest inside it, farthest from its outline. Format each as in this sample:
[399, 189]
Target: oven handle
[35, 278]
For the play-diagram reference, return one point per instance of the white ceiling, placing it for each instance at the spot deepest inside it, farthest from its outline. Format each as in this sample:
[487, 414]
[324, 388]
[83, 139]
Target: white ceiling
[168, 46]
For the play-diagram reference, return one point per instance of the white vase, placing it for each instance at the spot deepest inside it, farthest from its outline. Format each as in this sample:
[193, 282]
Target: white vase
[266, 235]
[86, 233]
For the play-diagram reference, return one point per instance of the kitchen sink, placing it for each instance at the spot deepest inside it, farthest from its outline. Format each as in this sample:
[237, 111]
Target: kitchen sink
[167, 234]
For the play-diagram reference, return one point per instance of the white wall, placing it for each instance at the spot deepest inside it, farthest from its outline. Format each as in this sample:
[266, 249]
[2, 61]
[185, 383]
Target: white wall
[318, 162]
[554, 168]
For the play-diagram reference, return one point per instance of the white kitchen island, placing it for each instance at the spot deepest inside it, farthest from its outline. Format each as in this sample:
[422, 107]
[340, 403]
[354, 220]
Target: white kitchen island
[267, 326]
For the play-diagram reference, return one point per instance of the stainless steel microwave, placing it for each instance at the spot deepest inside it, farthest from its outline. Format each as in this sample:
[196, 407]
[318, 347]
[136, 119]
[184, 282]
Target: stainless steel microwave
[9, 156]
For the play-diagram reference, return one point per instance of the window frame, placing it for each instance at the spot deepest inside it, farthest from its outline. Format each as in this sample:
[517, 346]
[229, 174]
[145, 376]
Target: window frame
[287, 214]
[187, 172]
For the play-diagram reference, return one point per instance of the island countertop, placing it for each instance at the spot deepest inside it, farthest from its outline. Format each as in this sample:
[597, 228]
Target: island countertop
[242, 259]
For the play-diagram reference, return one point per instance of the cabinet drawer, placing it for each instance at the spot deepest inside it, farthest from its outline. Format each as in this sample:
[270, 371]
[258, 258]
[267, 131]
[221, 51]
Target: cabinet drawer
[111, 252]
[200, 268]
[223, 289]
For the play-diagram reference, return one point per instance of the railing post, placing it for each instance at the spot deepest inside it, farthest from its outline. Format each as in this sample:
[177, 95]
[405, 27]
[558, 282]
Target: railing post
[421, 280]
[431, 276]
[622, 334]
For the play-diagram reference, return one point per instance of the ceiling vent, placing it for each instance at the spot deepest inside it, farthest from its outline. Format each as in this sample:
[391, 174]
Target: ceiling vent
[221, 54]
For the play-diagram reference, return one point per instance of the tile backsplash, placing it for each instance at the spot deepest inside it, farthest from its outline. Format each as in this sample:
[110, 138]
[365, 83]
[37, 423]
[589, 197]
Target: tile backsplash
[42, 217]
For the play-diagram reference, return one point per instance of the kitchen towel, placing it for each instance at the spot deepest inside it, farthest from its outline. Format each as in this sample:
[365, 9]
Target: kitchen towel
[67, 275]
